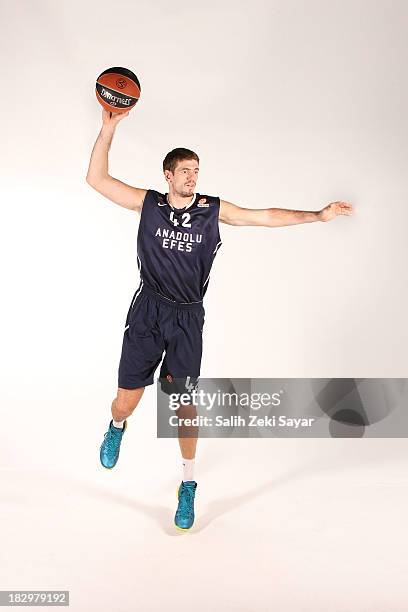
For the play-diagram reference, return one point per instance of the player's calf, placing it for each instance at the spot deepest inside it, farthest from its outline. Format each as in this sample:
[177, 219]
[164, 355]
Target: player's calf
[122, 407]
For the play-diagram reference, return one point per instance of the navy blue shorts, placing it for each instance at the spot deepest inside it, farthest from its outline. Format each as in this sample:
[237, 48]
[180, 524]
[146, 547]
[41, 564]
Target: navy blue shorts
[155, 325]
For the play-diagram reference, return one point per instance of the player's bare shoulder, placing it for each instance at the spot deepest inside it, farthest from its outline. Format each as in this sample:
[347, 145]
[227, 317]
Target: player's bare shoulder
[227, 210]
[140, 197]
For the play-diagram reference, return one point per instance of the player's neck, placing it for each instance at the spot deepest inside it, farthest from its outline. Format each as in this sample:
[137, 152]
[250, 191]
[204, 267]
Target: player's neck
[179, 201]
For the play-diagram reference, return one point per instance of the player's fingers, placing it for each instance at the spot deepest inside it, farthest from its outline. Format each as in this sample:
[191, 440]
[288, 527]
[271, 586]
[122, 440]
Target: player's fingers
[119, 116]
[343, 206]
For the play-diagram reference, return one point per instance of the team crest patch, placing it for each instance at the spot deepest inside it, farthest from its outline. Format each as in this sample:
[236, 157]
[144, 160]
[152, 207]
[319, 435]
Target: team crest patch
[203, 203]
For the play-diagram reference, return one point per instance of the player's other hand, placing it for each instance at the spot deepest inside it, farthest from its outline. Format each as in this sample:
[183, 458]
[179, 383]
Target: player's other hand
[333, 209]
[112, 119]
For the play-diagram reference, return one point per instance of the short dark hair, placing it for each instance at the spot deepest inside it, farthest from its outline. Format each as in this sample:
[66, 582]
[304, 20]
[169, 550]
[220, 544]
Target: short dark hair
[177, 155]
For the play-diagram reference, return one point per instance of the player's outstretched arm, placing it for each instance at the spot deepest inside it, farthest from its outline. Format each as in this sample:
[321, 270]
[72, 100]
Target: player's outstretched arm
[98, 175]
[277, 217]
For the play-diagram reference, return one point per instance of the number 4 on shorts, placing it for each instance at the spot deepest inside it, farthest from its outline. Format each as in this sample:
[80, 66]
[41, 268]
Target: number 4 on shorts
[190, 386]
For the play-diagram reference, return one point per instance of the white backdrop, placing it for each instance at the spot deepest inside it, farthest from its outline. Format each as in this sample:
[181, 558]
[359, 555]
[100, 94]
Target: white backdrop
[288, 104]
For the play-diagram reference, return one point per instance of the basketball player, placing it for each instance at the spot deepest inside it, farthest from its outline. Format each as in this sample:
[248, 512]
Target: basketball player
[178, 239]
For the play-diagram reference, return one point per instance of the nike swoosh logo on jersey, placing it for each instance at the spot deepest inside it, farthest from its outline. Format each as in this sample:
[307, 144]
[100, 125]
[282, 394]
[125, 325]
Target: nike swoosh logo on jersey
[164, 204]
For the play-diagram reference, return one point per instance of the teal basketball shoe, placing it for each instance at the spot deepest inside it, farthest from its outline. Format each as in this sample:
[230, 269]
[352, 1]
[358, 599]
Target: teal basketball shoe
[184, 517]
[110, 447]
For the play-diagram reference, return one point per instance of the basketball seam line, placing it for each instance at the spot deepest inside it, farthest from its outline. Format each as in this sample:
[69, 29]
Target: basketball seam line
[120, 91]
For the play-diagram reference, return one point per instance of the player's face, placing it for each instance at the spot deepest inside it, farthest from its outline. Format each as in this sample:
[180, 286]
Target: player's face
[184, 178]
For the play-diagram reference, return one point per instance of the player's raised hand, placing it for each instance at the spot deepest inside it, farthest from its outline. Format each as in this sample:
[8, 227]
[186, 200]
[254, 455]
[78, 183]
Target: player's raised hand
[334, 209]
[112, 119]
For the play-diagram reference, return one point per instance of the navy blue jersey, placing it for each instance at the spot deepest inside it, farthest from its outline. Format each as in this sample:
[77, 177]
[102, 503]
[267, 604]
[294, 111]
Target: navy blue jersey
[176, 247]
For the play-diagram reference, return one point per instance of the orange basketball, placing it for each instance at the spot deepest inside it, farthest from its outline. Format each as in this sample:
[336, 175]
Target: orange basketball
[117, 89]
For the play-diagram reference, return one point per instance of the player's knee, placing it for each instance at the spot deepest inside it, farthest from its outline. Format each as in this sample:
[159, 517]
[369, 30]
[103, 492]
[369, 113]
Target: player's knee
[127, 400]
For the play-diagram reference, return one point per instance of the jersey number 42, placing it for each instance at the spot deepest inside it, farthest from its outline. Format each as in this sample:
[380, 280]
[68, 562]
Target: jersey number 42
[186, 218]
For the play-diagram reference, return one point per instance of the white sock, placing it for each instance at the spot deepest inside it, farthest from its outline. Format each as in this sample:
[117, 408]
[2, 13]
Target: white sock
[188, 469]
[118, 424]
